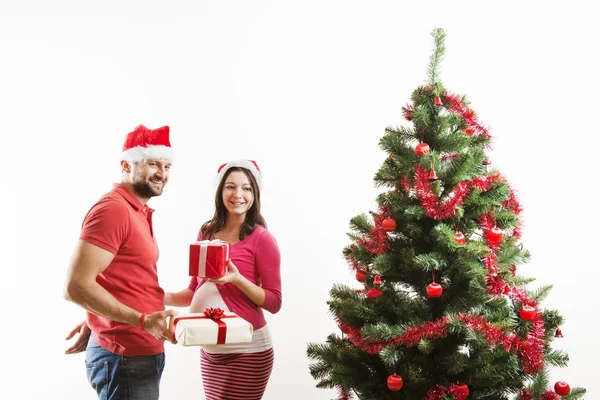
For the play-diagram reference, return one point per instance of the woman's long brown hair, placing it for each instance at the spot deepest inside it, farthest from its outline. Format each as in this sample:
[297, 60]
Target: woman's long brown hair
[253, 215]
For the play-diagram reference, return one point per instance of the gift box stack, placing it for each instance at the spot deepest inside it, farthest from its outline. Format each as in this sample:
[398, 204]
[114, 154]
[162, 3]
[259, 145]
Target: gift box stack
[214, 326]
[208, 258]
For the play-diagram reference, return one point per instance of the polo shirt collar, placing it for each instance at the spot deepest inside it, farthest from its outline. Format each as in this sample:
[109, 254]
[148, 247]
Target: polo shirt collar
[130, 197]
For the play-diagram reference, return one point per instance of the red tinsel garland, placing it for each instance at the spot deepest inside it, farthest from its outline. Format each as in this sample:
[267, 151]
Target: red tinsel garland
[529, 350]
[430, 202]
[548, 395]
[532, 350]
[352, 263]
[404, 184]
[410, 338]
[343, 394]
[439, 391]
[494, 282]
[486, 222]
[457, 106]
[520, 295]
[513, 204]
[407, 112]
[378, 243]
[448, 156]
[497, 286]
[526, 394]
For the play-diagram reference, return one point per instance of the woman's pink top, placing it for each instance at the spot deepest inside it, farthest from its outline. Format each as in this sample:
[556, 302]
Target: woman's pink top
[258, 260]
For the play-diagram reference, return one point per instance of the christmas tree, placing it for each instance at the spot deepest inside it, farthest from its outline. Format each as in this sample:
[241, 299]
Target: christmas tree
[443, 313]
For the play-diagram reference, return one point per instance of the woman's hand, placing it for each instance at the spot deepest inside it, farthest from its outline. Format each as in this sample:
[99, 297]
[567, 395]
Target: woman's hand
[233, 275]
[254, 292]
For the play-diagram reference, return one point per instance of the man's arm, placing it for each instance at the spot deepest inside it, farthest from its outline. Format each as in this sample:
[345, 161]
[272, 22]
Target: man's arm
[87, 262]
[183, 298]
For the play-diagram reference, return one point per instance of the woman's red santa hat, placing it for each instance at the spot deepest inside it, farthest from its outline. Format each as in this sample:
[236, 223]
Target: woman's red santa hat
[250, 165]
[147, 144]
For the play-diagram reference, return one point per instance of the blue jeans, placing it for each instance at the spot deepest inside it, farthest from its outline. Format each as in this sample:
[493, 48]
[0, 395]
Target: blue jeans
[116, 377]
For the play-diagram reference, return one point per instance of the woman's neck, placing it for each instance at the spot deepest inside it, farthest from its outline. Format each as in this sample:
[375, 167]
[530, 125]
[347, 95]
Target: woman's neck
[233, 223]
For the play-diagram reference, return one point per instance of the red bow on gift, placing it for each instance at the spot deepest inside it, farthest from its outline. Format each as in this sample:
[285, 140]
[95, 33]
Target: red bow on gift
[214, 313]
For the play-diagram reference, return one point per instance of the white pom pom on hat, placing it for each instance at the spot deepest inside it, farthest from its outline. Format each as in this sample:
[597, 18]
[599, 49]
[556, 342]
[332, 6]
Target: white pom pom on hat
[250, 165]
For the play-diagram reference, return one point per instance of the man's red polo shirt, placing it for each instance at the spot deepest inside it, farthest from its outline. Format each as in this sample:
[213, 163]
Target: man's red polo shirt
[121, 224]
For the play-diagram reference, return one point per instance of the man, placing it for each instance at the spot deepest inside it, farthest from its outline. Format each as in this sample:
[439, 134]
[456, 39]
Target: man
[113, 275]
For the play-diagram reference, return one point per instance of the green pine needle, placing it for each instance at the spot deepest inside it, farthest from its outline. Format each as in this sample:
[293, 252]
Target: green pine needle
[433, 70]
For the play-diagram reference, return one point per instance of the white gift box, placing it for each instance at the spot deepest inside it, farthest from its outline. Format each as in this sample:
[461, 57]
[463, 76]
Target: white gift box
[197, 329]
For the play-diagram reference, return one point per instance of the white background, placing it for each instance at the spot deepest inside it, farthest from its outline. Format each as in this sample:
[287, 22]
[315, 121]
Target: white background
[305, 88]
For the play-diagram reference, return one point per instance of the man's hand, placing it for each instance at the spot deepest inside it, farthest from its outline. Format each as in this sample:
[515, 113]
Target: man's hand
[156, 325]
[82, 340]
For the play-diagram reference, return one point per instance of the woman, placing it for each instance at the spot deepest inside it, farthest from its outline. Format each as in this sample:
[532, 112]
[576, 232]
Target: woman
[252, 283]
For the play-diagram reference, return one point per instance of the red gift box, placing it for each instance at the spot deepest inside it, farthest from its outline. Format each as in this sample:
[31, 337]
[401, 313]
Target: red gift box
[208, 258]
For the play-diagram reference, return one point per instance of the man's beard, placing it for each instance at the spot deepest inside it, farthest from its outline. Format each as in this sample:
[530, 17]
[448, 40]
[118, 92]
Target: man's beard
[146, 190]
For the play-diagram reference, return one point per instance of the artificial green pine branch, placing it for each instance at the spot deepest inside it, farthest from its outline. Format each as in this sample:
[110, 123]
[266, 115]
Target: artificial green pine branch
[433, 69]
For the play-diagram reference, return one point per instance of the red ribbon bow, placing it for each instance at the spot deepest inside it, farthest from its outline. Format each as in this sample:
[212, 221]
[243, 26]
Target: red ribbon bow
[214, 313]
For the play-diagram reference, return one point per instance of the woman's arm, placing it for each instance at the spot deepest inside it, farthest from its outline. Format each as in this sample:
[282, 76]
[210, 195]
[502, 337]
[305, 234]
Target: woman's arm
[268, 260]
[254, 292]
[268, 265]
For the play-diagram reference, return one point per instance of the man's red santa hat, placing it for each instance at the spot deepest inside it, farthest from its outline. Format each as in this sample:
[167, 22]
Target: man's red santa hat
[250, 165]
[147, 144]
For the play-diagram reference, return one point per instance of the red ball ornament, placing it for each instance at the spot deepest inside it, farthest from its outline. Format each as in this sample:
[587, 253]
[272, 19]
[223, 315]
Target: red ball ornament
[527, 313]
[438, 101]
[487, 161]
[395, 382]
[460, 238]
[361, 275]
[461, 388]
[374, 293]
[434, 290]
[388, 225]
[469, 131]
[494, 235]
[422, 148]
[562, 388]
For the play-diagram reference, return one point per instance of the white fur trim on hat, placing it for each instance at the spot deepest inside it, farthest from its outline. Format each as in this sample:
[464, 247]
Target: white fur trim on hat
[248, 164]
[148, 153]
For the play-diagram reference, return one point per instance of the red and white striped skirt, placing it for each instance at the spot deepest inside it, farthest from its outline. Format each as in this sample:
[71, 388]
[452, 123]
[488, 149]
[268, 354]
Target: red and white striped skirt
[236, 376]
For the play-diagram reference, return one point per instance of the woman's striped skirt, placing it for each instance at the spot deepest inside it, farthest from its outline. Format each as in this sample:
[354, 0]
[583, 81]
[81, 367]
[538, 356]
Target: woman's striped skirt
[227, 376]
